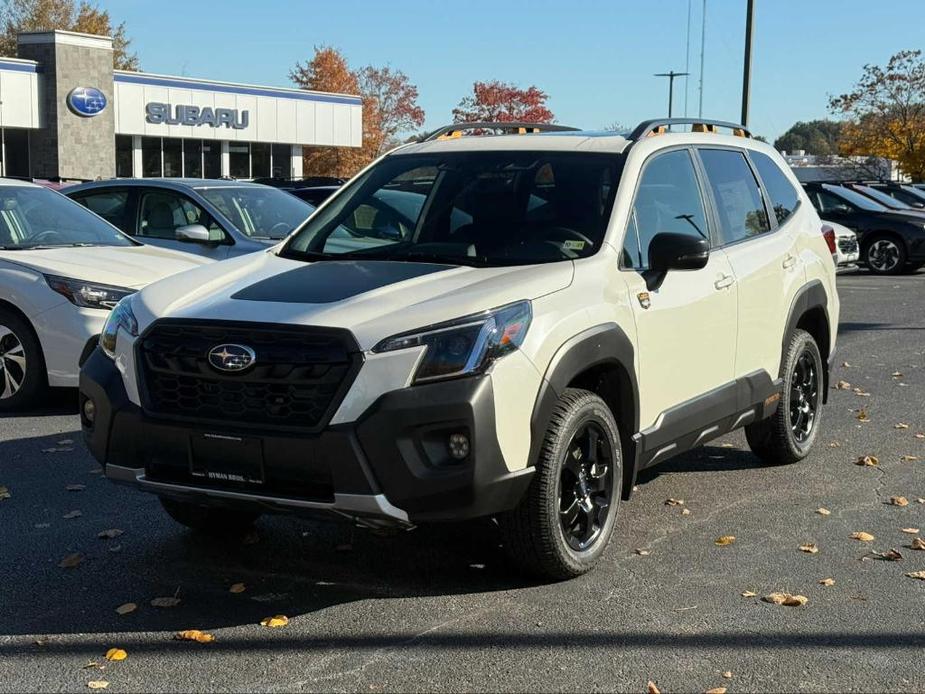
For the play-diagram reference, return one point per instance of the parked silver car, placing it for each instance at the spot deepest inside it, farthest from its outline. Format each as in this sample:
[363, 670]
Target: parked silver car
[214, 218]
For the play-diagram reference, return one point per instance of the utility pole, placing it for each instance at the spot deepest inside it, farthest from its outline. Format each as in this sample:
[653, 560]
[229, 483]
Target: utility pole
[703, 40]
[747, 64]
[687, 57]
[671, 74]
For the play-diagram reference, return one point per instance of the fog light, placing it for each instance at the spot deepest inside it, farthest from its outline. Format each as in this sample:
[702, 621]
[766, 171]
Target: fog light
[89, 410]
[458, 445]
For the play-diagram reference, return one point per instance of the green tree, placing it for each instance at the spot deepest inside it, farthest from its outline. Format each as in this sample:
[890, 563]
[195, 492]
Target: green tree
[45, 15]
[820, 137]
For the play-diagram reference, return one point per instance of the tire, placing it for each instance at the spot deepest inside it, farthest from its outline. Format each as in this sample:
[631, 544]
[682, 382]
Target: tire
[783, 438]
[534, 534]
[23, 378]
[210, 520]
[885, 255]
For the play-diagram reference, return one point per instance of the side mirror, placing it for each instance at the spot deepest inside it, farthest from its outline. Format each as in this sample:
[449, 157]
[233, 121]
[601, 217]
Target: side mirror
[675, 252]
[193, 233]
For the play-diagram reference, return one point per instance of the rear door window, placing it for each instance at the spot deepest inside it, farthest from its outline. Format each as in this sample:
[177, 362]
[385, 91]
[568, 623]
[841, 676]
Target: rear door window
[741, 210]
[111, 205]
[784, 197]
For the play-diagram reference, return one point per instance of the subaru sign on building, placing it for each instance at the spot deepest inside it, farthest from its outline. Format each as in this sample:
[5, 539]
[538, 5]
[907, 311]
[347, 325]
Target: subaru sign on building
[66, 113]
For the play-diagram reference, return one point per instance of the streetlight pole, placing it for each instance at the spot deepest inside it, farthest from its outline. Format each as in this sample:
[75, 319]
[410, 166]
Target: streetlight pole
[671, 74]
[747, 63]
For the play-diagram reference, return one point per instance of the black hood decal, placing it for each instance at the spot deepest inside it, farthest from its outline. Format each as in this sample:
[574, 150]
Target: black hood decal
[334, 280]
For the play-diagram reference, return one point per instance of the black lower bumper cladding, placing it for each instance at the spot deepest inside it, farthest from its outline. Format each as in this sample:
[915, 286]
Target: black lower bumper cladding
[393, 464]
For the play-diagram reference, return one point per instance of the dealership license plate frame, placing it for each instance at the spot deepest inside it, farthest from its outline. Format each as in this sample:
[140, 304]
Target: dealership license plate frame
[227, 459]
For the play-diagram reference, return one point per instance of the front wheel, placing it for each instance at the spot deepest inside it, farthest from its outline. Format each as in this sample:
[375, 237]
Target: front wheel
[788, 435]
[563, 524]
[23, 379]
[885, 255]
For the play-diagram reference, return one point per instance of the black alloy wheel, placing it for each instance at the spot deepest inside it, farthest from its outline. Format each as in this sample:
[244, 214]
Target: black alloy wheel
[585, 486]
[804, 397]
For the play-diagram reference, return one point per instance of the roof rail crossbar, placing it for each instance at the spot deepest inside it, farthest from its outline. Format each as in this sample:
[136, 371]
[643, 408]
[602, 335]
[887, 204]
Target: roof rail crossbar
[698, 125]
[515, 126]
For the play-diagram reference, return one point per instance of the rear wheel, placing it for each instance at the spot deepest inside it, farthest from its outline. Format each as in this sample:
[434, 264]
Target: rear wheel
[22, 366]
[210, 520]
[788, 435]
[885, 255]
[564, 523]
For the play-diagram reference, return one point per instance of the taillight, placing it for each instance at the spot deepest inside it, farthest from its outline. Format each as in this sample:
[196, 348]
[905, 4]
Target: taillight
[829, 234]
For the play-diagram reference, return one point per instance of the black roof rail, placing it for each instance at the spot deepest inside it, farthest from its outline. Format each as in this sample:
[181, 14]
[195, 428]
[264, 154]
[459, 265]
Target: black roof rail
[448, 130]
[648, 126]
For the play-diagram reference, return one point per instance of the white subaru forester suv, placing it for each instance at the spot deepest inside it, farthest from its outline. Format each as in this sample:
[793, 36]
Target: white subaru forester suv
[507, 326]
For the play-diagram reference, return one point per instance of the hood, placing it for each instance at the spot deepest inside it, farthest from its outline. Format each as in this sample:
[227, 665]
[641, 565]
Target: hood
[121, 266]
[373, 299]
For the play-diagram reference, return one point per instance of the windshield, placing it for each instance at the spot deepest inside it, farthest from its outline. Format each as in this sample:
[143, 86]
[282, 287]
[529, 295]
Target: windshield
[258, 211]
[38, 217]
[856, 199]
[468, 208]
[884, 199]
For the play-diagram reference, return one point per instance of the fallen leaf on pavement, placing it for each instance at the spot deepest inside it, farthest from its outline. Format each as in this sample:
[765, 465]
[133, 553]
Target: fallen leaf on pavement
[862, 416]
[97, 684]
[748, 594]
[917, 543]
[827, 582]
[786, 599]
[75, 487]
[116, 654]
[908, 458]
[716, 690]
[642, 552]
[237, 588]
[4, 493]
[920, 500]
[889, 555]
[917, 574]
[896, 374]
[728, 674]
[823, 511]
[72, 514]
[843, 385]
[109, 534]
[71, 560]
[279, 620]
[724, 540]
[685, 512]
[651, 688]
[868, 460]
[862, 536]
[911, 531]
[194, 635]
[126, 608]
[901, 425]
[846, 365]
[835, 444]
[919, 435]
[899, 501]
[674, 502]
[861, 393]
[165, 602]
[809, 548]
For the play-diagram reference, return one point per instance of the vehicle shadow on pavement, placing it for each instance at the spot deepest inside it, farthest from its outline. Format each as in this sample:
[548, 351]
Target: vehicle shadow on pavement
[58, 401]
[705, 459]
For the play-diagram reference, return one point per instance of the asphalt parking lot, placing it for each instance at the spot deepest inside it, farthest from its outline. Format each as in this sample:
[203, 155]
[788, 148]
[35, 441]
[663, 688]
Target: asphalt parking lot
[437, 609]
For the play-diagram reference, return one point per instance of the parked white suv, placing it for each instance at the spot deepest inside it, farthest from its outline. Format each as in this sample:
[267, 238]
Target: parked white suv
[508, 326]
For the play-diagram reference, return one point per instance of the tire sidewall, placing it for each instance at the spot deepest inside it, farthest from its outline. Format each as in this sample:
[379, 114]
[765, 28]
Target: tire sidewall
[592, 409]
[804, 343]
[35, 379]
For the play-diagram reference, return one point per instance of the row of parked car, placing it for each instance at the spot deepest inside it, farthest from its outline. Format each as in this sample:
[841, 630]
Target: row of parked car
[887, 218]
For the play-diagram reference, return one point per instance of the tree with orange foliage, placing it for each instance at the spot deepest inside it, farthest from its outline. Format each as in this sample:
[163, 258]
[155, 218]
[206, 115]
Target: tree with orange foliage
[500, 102]
[44, 15]
[885, 113]
[389, 108]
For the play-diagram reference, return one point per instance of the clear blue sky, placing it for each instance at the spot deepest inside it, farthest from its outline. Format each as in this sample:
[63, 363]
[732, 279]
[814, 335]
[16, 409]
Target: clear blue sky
[595, 58]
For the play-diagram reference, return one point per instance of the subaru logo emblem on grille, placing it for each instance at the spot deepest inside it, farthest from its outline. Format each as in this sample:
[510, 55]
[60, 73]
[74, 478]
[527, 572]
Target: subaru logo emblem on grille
[231, 357]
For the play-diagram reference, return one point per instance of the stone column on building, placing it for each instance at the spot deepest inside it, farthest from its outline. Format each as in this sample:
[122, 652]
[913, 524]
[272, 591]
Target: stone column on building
[69, 144]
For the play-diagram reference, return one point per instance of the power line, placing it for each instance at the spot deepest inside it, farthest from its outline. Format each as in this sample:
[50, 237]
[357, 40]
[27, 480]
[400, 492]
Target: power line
[703, 39]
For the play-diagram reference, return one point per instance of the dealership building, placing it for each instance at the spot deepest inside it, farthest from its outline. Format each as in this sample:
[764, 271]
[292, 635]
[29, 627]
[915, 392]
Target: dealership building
[66, 113]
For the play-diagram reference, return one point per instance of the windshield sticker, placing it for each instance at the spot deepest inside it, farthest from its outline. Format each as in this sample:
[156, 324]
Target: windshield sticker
[571, 245]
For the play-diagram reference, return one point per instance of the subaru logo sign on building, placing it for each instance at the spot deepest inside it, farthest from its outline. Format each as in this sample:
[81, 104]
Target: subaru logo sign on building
[231, 357]
[86, 101]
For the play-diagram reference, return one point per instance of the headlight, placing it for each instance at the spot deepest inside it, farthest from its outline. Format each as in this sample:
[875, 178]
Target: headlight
[122, 318]
[88, 294]
[465, 346]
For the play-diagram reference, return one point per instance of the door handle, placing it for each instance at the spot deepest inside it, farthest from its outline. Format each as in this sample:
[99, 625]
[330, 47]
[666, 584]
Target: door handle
[724, 281]
[789, 262]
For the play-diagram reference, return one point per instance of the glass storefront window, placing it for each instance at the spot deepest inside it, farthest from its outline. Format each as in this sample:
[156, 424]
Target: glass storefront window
[282, 161]
[239, 160]
[151, 157]
[192, 158]
[124, 168]
[211, 159]
[260, 159]
[16, 144]
[173, 157]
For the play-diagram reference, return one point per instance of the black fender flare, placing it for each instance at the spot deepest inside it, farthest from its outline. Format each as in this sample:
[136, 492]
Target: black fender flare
[810, 296]
[600, 345]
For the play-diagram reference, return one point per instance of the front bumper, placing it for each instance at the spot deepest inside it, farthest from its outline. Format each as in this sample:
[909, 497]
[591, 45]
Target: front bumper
[390, 466]
[66, 333]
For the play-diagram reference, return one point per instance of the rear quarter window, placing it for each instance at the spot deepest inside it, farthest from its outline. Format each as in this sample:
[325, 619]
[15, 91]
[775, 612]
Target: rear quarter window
[784, 197]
